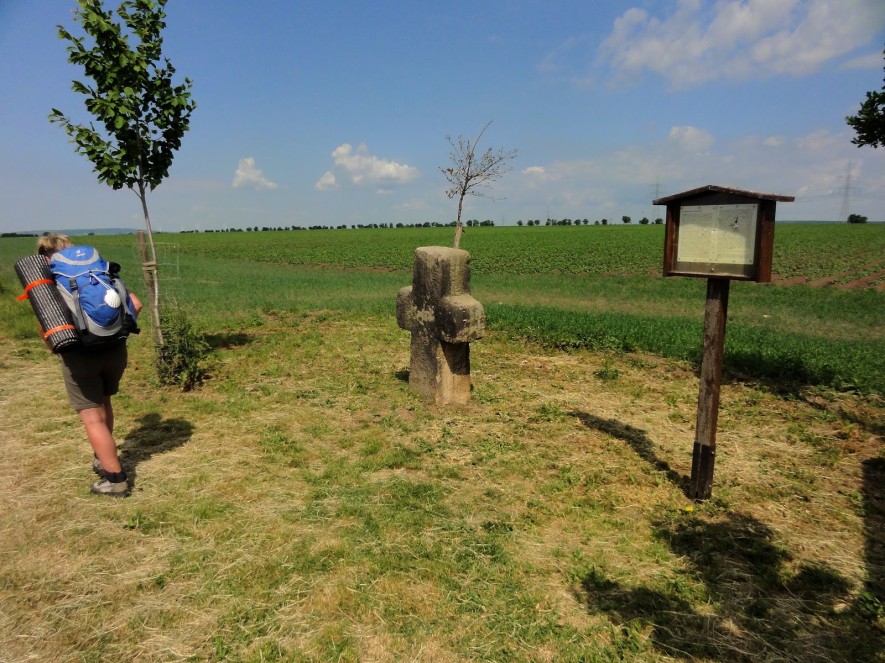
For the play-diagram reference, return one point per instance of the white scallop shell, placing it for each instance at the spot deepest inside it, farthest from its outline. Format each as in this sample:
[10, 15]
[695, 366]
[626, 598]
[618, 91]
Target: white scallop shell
[112, 299]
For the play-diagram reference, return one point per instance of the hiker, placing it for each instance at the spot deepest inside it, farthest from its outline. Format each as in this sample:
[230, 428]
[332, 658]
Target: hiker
[91, 377]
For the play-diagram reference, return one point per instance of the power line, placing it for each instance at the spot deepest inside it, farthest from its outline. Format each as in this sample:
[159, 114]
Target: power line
[846, 195]
[658, 188]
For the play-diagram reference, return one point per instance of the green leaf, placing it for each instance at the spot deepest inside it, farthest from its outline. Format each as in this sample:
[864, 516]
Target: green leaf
[140, 113]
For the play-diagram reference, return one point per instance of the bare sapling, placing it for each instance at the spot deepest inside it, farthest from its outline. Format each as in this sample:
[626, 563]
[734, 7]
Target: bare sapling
[472, 174]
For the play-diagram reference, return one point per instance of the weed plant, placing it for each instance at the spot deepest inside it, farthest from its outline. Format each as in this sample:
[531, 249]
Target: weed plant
[182, 357]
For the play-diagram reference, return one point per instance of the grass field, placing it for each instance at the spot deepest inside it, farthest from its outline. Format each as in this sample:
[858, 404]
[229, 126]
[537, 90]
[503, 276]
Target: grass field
[305, 505]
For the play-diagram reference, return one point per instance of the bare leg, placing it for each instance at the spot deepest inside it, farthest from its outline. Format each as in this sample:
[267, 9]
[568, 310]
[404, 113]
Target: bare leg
[109, 414]
[99, 422]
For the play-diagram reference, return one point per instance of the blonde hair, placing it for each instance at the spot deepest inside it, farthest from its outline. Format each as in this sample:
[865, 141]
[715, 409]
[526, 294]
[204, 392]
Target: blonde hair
[50, 243]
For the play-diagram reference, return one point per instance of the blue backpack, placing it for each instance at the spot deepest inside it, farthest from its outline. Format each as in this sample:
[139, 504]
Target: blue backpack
[96, 296]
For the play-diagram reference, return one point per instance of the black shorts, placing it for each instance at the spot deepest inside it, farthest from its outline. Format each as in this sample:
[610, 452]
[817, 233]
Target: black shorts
[90, 377]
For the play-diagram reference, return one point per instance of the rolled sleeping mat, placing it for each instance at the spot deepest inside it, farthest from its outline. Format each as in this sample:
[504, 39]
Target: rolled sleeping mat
[51, 311]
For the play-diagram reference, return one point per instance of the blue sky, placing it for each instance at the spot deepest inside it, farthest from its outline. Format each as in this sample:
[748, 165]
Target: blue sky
[336, 113]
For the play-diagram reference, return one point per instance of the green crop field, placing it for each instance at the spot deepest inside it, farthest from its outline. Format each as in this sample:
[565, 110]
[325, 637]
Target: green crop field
[567, 287]
[809, 251]
[304, 504]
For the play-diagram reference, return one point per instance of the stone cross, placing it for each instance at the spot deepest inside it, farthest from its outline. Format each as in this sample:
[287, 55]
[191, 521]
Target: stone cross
[443, 318]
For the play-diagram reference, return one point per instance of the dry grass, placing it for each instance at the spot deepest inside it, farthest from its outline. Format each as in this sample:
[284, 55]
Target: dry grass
[305, 505]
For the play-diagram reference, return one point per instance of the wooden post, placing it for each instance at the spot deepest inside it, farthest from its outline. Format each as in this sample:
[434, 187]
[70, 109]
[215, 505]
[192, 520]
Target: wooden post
[149, 268]
[704, 456]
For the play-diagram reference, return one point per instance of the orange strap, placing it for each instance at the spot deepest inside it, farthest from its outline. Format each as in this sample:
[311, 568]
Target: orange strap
[32, 285]
[57, 329]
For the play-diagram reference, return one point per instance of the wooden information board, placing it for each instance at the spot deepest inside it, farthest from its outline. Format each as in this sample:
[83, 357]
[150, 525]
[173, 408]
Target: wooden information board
[721, 234]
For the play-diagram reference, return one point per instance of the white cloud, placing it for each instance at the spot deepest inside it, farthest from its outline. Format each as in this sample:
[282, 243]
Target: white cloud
[326, 182]
[248, 175]
[738, 39]
[817, 140]
[534, 171]
[690, 139]
[625, 181]
[361, 168]
[550, 63]
[412, 205]
[869, 61]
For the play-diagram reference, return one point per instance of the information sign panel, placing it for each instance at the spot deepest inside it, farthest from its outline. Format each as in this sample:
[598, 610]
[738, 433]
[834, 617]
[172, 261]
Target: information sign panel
[717, 239]
[720, 232]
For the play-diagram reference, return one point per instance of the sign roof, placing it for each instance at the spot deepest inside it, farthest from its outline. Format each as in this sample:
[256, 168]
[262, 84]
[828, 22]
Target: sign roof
[715, 188]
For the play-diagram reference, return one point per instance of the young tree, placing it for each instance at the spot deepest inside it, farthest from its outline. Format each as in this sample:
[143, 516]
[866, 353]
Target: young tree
[626, 219]
[141, 114]
[469, 172]
[869, 123]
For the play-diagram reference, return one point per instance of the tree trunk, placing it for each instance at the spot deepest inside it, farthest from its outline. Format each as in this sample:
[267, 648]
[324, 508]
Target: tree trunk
[459, 228]
[149, 266]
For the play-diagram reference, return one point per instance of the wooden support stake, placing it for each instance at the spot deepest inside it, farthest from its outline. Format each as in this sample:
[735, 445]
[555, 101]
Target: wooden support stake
[149, 269]
[715, 314]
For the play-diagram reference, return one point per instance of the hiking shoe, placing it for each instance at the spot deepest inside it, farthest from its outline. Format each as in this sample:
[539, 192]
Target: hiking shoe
[110, 488]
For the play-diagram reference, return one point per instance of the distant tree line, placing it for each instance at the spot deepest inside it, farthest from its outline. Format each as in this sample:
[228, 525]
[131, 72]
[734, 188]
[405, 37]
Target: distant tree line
[472, 223]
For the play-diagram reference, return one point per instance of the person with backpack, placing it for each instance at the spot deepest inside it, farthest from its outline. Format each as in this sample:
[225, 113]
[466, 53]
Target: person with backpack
[92, 374]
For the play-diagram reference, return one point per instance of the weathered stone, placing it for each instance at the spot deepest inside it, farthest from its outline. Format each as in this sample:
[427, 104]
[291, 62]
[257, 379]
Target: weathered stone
[443, 318]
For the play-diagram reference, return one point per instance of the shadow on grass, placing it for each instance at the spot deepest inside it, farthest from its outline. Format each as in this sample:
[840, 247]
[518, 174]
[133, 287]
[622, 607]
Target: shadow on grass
[639, 440]
[783, 376]
[738, 599]
[867, 418]
[782, 362]
[872, 602]
[227, 340]
[402, 375]
[153, 436]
